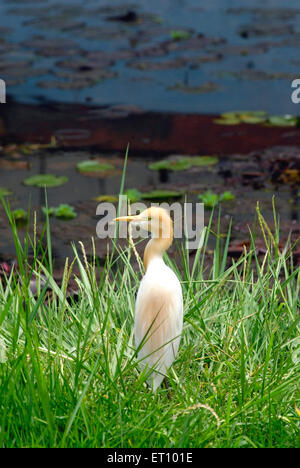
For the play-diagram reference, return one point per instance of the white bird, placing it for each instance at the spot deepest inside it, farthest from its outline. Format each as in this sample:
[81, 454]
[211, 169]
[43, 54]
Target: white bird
[159, 303]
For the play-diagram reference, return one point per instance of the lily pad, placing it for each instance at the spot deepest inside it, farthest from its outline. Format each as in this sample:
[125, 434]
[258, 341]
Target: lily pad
[50, 211]
[252, 119]
[184, 162]
[179, 35]
[282, 121]
[160, 195]
[94, 166]
[211, 199]
[133, 195]
[5, 192]
[107, 198]
[45, 180]
[175, 165]
[232, 121]
[19, 215]
[237, 117]
[65, 211]
[203, 160]
[227, 196]
[160, 165]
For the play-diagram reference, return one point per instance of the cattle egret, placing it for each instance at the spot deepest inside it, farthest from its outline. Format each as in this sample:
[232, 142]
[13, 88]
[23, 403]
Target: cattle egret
[159, 304]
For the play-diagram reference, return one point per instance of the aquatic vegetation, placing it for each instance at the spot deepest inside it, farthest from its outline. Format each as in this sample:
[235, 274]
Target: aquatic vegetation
[282, 121]
[91, 165]
[5, 192]
[211, 199]
[203, 160]
[184, 162]
[227, 196]
[45, 180]
[14, 149]
[107, 198]
[48, 211]
[231, 121]
[133, 195]
[179, 35]
[256, 117]
[172, 165]
[19, 215]
[63, 211]
[160, 195]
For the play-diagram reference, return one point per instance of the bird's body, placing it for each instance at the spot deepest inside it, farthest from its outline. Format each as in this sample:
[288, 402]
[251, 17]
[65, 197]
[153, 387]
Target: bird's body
[159, 303]
[158, 319]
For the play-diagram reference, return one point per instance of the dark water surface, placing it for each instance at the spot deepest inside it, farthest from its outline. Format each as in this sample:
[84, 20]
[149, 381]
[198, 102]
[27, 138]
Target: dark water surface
[227, 55]
[88, 73]
[248, 178]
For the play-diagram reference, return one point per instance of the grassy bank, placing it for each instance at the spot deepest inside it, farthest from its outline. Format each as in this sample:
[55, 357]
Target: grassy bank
[69, 374]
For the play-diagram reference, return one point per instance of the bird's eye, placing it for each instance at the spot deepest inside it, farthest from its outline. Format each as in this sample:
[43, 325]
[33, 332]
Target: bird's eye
[149, 218]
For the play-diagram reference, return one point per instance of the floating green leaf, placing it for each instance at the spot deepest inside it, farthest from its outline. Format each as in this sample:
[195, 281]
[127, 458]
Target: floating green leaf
[185, 162]
[252, 119]
[19, 215]
[203, 160]
[133, 195]
[179, 35]
[230, 115]
[179, 164]
[211, 199]
[176, 165]
[227, 196]
[282, 121]
[50, 211]
[45, 180]
[256, 117]
[5, 192]
[237, 117]
[94, 166]
[244, 114]
[160, 194]
[160, 165]
[107, 198]
[233, 121]
[65, 211]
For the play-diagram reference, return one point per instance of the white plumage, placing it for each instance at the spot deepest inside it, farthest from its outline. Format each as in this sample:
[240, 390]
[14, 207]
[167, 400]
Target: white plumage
[158, 319]
[159, 304]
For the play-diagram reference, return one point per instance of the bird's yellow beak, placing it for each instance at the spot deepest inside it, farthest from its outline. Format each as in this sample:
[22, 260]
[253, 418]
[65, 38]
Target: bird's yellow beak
[125, 218]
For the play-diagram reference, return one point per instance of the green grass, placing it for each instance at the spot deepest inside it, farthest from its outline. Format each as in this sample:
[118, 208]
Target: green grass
[69, 375]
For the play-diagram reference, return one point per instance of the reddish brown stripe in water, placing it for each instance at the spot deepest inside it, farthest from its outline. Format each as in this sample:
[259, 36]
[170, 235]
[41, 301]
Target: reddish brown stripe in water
[146, 132]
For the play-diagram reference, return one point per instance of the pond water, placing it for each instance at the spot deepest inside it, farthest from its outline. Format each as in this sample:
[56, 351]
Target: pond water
[176, 55]
[248, 179]
[102, 74]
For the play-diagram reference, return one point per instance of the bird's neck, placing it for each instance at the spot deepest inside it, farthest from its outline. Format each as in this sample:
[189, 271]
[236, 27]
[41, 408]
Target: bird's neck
[156, 248]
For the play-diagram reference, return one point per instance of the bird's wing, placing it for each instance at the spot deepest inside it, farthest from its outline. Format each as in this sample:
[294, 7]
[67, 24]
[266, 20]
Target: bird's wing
[158, 322]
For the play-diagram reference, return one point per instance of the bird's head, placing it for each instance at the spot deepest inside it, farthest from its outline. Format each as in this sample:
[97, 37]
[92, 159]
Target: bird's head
[155, 220]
